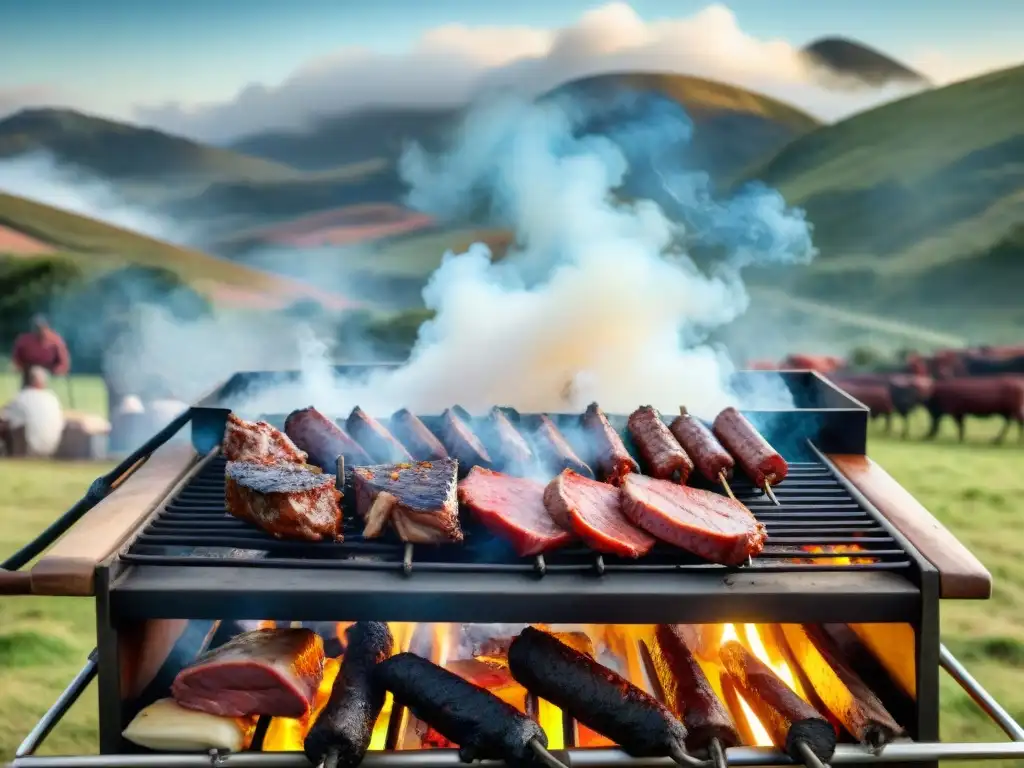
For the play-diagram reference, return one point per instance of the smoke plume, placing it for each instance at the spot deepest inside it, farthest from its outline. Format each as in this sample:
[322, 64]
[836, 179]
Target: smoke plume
[600, 299]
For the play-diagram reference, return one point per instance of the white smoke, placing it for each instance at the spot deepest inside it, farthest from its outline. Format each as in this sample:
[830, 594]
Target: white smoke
[38, 176]
[600, 301]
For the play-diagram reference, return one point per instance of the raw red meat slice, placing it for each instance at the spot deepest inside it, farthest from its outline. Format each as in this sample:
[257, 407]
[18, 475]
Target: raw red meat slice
[593, 511]
[513, 508]
[710, 525]
[264, 672]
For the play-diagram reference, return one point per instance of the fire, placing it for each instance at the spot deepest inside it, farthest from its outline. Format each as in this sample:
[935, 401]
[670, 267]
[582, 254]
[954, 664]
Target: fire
[834, 549]
[286, 734]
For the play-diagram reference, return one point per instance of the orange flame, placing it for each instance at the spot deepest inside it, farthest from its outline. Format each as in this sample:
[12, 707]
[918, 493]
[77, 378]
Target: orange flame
[834, 549]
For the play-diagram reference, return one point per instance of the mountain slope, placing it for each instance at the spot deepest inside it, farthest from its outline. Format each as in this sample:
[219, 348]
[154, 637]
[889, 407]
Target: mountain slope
[118, 151]
[848, 58]
[92, 243]
[927, 187]
[733, 126]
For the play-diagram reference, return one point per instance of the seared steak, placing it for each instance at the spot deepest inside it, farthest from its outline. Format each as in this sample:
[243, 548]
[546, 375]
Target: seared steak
[323, 440]
[285, 500]
[418, 500]
[258, 441]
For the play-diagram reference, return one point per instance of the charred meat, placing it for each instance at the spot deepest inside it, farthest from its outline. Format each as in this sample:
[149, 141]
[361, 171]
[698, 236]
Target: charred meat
[323, 440]
[664, 457]
[613, 460]
[285, 500]
[555, 452]
[418, 500]
[759, 461]
[461, 443]
[258, 441]
[416, 437]
[509, 447]
[375, 438]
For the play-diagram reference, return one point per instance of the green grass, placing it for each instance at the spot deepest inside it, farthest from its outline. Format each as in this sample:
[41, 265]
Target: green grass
[975, 489]
[918, 203]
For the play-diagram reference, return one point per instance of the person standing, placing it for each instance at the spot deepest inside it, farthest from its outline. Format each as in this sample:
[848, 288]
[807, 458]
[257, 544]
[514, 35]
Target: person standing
[43, 347]
[33, 422]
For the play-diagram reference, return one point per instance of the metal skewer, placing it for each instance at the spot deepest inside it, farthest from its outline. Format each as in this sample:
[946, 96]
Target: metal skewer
[544, 756]
[683, 758]
[807, 755]
[331, 758]
[339, 468]
[407, 558]
[717, 754]
[771, 494]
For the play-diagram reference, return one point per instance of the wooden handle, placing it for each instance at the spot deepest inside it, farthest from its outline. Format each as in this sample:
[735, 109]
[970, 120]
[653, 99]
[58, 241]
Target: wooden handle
[961, 574]
[15, 582]
[69, 566]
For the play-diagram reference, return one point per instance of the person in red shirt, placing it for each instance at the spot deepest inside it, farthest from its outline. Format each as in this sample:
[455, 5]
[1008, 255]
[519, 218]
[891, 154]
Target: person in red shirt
[41, 346]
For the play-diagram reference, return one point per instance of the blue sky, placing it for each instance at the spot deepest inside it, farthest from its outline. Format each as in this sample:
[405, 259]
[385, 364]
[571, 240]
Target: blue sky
[116, 54]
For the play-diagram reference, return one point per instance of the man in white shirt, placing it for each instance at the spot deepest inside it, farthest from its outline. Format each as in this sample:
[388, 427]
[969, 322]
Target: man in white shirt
[37, 411]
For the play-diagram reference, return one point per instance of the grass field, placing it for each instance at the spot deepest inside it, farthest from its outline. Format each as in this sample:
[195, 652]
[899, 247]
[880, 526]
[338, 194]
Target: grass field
[975, 489]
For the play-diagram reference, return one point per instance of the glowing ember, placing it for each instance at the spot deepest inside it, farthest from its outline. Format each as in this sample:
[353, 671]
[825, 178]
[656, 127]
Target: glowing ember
[757, 731]
[837, 549]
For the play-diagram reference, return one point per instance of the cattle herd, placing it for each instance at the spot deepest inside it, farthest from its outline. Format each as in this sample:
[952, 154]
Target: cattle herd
[981, 381]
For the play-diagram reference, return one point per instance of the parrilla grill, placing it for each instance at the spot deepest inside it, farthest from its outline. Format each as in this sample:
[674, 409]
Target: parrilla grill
[173, 575]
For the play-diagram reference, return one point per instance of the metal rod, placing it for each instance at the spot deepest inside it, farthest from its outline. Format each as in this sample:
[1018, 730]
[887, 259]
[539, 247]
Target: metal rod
[737, 757]
[807, 755]
[60, 707]
[717, 754]
[981, 697]
[407, 558]
[544, 756]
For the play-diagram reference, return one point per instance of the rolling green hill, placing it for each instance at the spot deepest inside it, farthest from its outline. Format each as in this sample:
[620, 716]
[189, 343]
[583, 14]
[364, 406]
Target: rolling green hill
[119, 151]
[918, 205]
[92, 244]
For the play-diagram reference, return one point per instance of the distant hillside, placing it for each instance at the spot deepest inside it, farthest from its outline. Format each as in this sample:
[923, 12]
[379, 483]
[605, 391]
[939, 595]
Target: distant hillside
[119, 151]
[915, 203]
[93, 244]
[734, 126]
[848, 58]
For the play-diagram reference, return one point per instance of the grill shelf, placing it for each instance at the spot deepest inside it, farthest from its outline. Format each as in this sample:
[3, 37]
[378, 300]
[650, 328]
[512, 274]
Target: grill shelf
[816, 511]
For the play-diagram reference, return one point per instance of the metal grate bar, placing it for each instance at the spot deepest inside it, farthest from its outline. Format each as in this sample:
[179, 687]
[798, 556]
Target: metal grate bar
[816, 513]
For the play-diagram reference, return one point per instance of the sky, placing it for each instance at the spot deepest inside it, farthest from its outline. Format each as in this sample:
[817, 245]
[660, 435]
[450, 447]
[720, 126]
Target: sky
[219, 68]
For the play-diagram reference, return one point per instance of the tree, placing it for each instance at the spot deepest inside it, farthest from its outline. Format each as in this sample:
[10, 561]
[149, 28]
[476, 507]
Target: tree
[30, 286]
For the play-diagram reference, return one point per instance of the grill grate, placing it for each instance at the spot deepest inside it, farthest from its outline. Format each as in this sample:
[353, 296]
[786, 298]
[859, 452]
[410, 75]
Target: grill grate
[816, 512]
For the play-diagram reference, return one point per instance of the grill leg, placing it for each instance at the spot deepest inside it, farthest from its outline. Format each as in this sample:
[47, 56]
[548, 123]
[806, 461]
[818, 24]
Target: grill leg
[109, 657]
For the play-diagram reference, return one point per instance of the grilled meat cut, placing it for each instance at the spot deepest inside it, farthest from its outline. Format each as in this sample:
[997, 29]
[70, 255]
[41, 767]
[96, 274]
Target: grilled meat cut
[707, 524]
[375, 438]
[484, 726]
[513, 509]
[554, 451]
[508, 447]
[263, 672]
[759, 461]
[595, 695]
[461, 443]
[285, 500]
[593, 511]
[701, 445]
[323, 440]
[687, 691]
[258, 441]
[419, 500]
[416, 436]
[661, 452]
[613, 460]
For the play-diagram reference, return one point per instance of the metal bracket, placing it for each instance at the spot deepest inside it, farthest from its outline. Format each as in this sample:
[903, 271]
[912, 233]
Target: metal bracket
[899, 752]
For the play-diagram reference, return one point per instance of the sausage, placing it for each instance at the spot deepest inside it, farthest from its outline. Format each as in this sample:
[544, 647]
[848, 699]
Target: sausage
[595, 695]
[688, 693]
[346, 723]
[701, 445]
[659, 449]
[375, 438]
[788, 719]
[838, 687]
[511, 447]
[461, 443]
[554, 450]
[416, 437]
[613, 460]
[323, 440]
[761, 463]
[484, 726]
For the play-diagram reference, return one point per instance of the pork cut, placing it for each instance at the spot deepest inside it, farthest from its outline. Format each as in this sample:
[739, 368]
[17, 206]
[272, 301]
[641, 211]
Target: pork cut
[707, 524]
[418, 500]
[258, 441]
[285, 500]
[375, 438]
[264, 672]
[513, 509]
[593, 511]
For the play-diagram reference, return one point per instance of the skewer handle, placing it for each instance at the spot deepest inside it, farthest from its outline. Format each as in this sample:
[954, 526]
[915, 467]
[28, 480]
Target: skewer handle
[544, 756]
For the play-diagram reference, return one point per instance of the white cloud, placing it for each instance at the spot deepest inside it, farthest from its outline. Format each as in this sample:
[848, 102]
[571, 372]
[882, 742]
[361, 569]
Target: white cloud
[449, 64]
[20, 97]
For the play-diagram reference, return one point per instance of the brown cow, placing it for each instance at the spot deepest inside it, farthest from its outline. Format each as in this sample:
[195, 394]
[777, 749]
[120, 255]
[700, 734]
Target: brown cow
[964, 397]
[902, 394]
